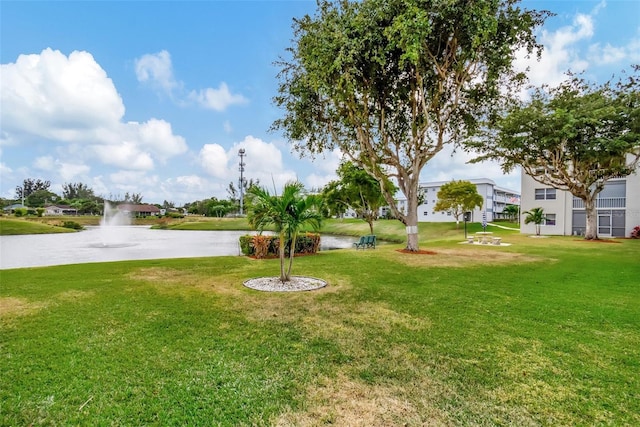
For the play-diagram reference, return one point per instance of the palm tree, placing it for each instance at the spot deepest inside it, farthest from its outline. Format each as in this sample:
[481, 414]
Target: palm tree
[287, 213]
[535, 215]
[511, 211]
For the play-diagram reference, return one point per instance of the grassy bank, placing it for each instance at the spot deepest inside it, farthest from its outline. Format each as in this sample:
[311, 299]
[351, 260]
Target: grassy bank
[543, 332]
[12, 227]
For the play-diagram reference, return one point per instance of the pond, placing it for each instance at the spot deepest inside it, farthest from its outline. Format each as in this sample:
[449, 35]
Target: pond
[120, 243]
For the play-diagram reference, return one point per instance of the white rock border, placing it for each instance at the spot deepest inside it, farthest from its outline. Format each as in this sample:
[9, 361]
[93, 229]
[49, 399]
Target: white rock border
[296, 284]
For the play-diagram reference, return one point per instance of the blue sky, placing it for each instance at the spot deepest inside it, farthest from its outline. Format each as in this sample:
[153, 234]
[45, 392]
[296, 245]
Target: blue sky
[157, 97]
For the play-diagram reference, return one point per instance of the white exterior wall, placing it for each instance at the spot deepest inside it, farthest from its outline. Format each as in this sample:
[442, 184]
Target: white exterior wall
[562, 206]
[633, 202]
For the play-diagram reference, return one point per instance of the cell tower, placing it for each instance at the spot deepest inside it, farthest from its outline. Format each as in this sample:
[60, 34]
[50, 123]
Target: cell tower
[241, 153]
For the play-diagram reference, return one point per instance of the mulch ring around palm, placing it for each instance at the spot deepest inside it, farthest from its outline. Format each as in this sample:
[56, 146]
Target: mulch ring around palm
[274, 284]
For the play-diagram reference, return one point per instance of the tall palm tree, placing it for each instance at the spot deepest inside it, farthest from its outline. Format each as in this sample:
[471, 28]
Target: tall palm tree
[288, 213]
[536, 216]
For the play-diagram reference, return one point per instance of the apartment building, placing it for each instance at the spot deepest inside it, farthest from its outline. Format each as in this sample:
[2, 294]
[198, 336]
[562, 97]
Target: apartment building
[495, 199]
[618, 207]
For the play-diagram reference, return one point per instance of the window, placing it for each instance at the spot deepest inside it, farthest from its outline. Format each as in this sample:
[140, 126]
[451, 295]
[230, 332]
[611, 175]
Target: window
[425, 213]
[550, 219]
[448, 213]
[545, 194]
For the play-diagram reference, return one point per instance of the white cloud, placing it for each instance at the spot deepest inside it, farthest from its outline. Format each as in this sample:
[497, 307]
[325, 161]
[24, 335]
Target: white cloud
[57, 97]
[71, 100]
[560, 53]
[189, 188]
[448, 165]
[217, 99]
[213, 159]
[327, 163]
[156, 69]
[45, 163]
[263, 162]
[158, 136]
[125, 155]
[63, 171]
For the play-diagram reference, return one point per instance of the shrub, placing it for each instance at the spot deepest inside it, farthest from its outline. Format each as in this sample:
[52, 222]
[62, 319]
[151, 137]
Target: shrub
[40, 212]
[21, 212]
[261, 246]
[72, 224]
[635, 233]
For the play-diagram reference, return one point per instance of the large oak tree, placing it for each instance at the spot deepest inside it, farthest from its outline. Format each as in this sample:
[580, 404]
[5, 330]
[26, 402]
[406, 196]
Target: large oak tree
[390, 82]
[573, 137]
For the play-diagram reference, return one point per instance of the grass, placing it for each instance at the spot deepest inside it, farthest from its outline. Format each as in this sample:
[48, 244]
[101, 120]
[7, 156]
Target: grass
[543, 332]
[11, 226]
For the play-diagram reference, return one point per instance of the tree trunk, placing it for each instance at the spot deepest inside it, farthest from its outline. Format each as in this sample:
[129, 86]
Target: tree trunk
[591, 232]
[370, 222]
[412, 223]
[283, 276]
[292, 254]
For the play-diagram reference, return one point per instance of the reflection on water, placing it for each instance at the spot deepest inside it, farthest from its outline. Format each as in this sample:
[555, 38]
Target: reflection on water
[139, 242]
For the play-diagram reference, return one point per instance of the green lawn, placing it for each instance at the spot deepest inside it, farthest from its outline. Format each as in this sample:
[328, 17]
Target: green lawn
[543, 332]
[15, 226]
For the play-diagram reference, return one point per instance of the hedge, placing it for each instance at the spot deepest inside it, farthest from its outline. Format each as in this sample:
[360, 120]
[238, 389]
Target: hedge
[261, 246]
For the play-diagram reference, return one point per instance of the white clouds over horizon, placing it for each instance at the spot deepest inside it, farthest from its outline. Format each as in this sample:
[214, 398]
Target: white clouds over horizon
[70, 99]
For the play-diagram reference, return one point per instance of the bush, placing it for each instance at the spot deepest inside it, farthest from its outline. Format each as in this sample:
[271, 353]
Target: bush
[40, 212]
[72, 225]
[21, 212]
[635, 233]
[261, 246]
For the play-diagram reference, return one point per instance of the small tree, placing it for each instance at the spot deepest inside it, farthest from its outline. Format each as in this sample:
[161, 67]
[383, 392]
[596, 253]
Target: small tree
[536, 216]
[458, 197]
[287, 213]
[357, 190]
[511, 211]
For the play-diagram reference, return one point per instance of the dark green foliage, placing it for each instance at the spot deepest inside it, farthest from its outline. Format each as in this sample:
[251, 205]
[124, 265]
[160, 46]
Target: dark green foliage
[72, 225]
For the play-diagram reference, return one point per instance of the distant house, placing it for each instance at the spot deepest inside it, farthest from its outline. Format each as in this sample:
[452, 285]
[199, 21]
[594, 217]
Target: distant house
[12, 208]
[60, 210]
[139, 210]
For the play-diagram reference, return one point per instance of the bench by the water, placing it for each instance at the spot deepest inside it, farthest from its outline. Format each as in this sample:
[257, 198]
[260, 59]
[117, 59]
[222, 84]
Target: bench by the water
[366, 242]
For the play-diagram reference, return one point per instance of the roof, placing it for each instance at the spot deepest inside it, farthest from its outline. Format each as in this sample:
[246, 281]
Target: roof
[130, 207]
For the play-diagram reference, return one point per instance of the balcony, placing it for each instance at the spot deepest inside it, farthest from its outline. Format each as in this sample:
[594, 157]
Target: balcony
[603, 203]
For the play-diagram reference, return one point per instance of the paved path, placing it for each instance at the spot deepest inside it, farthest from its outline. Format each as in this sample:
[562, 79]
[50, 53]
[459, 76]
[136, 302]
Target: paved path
[502, 226]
